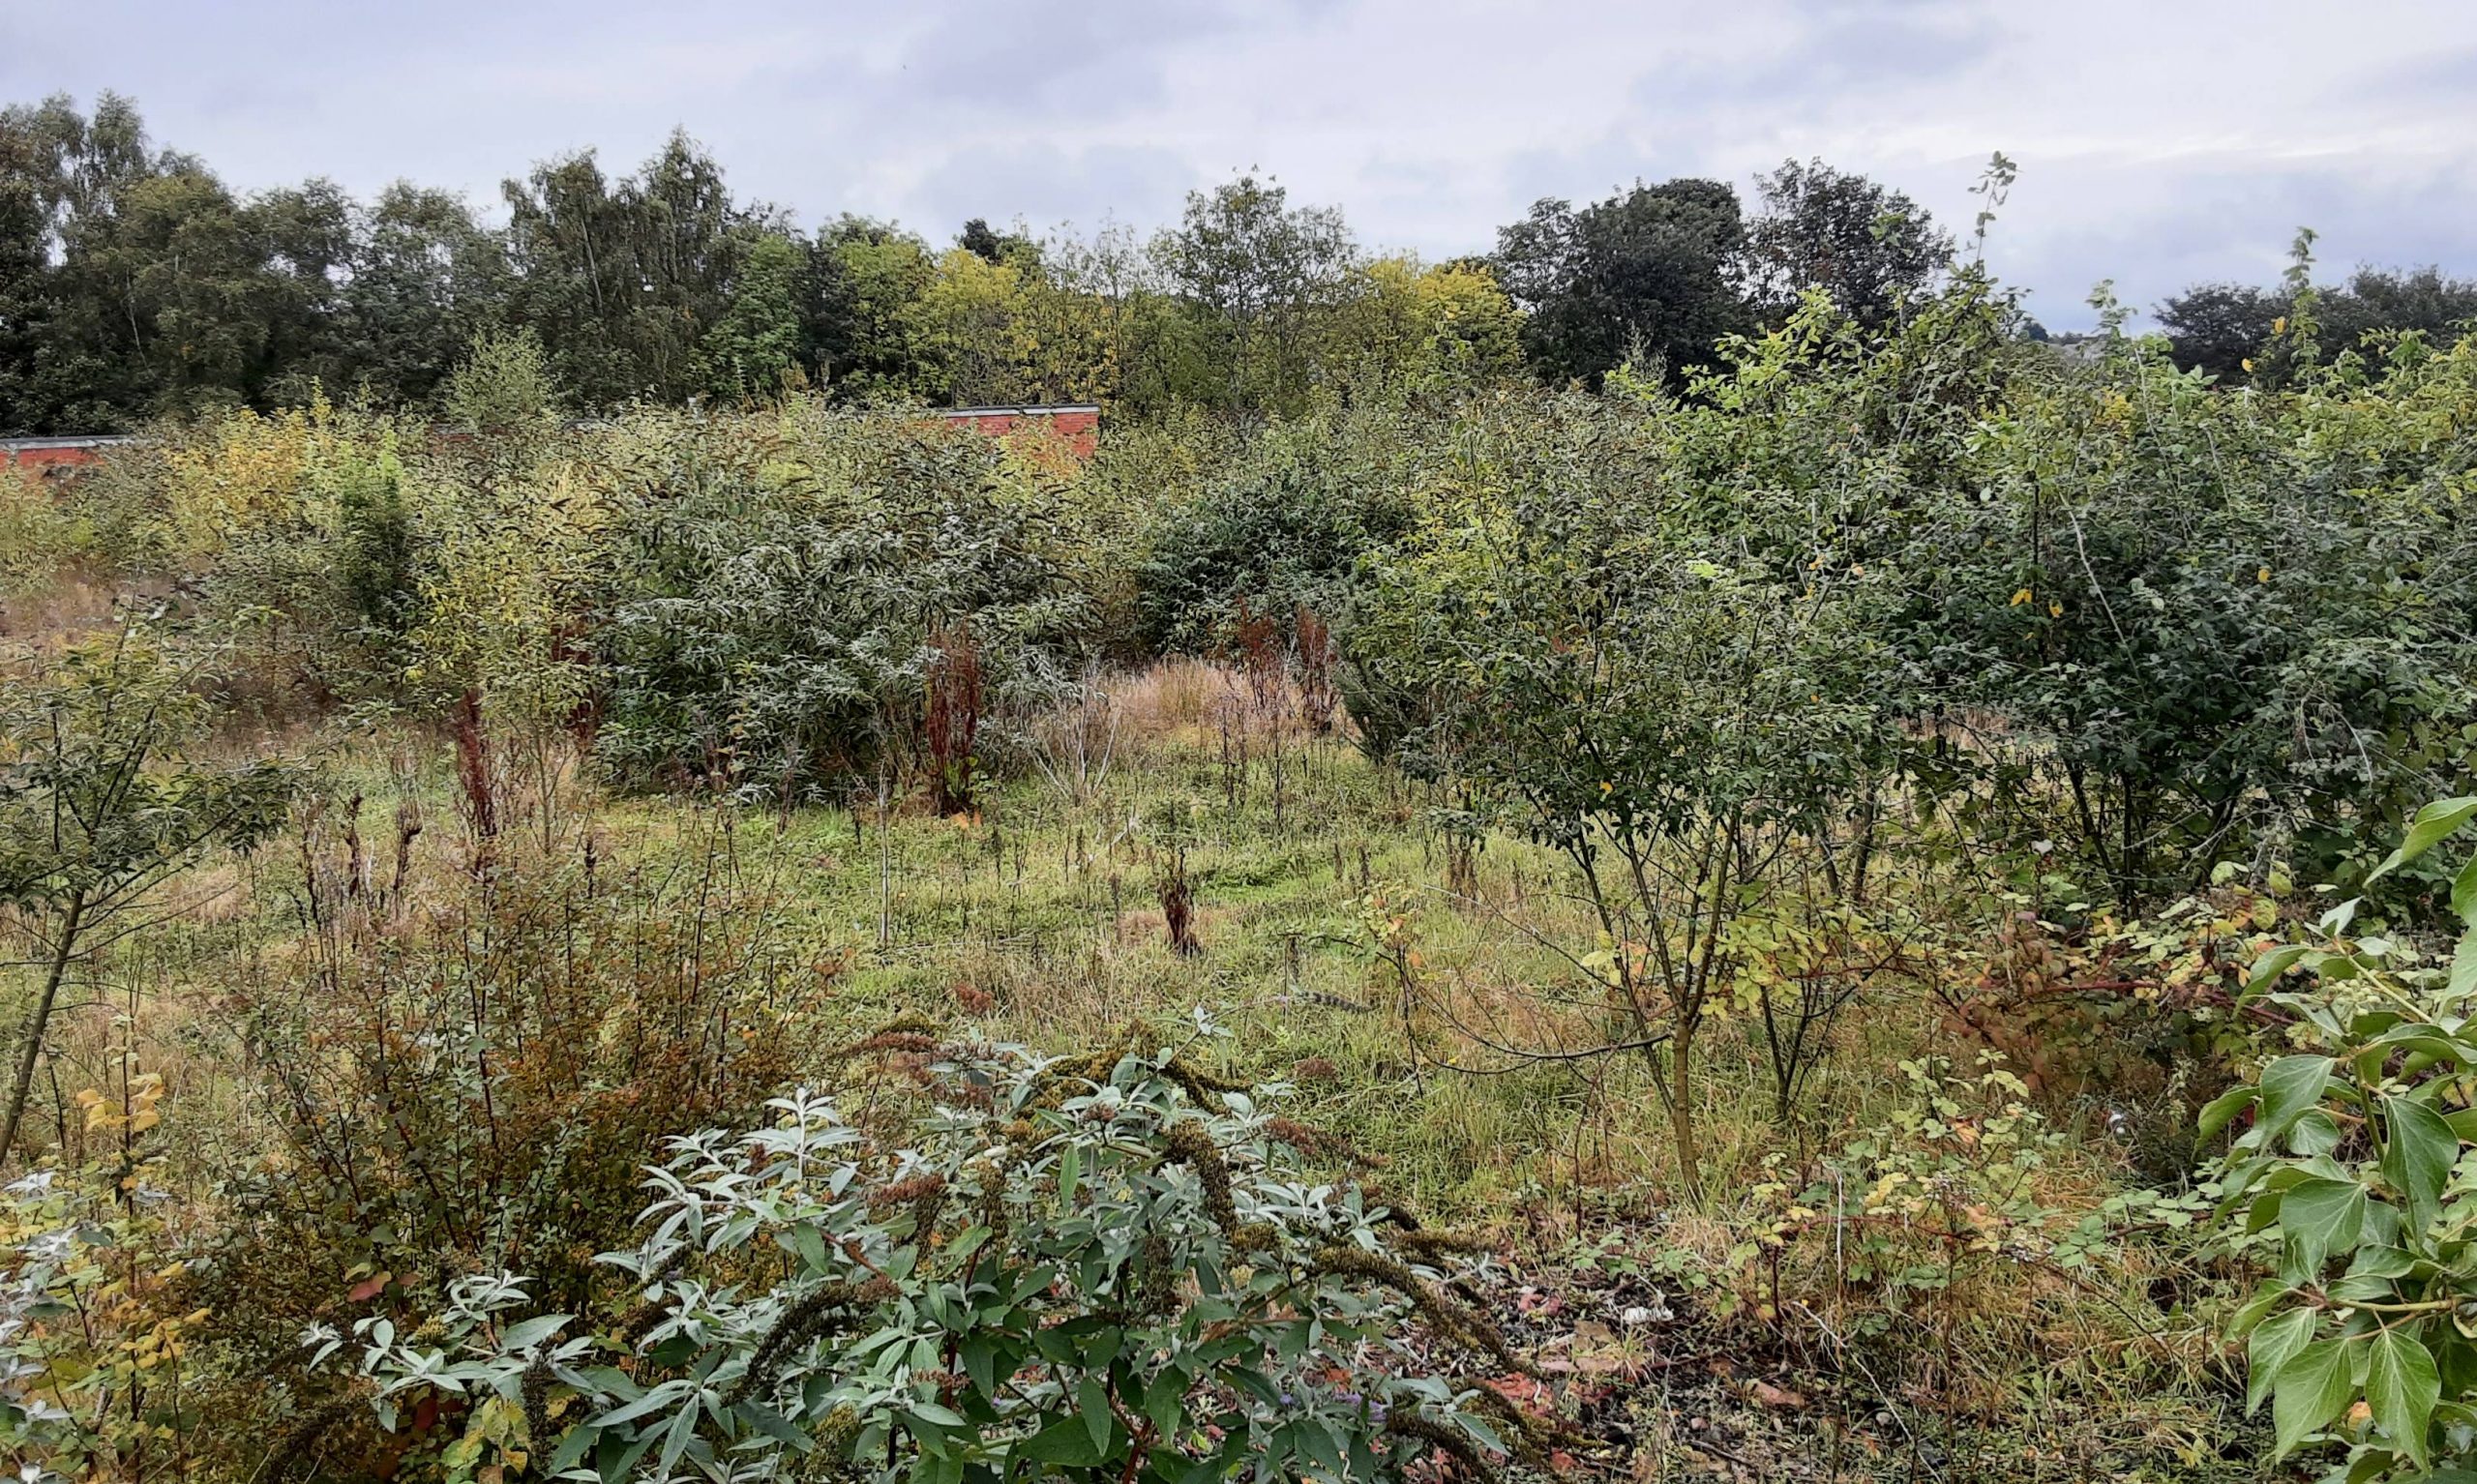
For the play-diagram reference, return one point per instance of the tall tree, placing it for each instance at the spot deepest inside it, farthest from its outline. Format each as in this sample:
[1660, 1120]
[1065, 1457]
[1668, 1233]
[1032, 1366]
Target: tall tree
[865, 277]
[2229, 330]
[754, 348]
[2217, 327]
[308, 241]
[1866, 246]
[624, 279]
[1261, 275]
[426, 280]
[67, 174]
[1644, 275]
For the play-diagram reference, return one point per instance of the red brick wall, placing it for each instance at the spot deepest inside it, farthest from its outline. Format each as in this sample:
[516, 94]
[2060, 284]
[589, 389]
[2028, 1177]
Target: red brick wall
[42, 460]
[1080, 427]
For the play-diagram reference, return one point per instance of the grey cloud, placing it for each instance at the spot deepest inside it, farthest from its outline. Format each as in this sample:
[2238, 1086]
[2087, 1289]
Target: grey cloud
[1044, 187]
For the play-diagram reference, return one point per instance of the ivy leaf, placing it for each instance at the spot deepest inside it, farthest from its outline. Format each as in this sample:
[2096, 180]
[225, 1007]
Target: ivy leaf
[2434, 824]
[2273, 1343]
[2291, 1087]
[2401, 1386]
[2319, 1217]
[2309, 1391]
[2418, 1155]
[2223, 1109]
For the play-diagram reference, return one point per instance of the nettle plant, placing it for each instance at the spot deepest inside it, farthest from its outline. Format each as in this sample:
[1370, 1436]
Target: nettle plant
[1102, 1267]
[2349, 1179]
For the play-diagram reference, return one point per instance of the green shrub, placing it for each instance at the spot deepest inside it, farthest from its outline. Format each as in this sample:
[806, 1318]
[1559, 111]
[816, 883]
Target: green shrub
[1103, 1269]
[2346, 1181]
[775, 622]
[1285, 527]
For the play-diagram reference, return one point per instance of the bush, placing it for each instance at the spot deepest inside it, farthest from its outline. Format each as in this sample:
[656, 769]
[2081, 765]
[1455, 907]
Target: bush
[1105, 1267]
[2344, 1182]
[772, 619]
[1284, 528]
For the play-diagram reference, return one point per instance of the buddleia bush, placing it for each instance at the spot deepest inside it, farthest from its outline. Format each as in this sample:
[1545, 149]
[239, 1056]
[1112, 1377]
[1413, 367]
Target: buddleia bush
[773, 613]
[1106, 1266]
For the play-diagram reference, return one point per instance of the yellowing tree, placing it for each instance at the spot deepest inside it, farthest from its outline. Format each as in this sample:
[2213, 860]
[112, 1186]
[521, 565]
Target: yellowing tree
[1414, 327]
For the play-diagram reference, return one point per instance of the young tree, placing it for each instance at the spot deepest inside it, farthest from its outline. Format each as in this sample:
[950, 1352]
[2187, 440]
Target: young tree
[104, 800]
[1620, 684]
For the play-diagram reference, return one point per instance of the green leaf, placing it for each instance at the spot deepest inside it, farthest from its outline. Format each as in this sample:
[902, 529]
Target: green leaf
[675, 1441]
[2463, 965]
[1318, 1442]
[810, 1244]
[2269, 966]
[571, 1448]
[532, 1331]
[2273, 1343]
[2319, 1217]
[2401, 1386]
[2309, 1391]
[1070, 1166]
[2291, 1087]
[2464, 893]
[1165, 1402]
[980, 1363]
[2223, 1109]
[773, 1424]
[1064, 1442]
[2434, 824]
[2419, 1151]
[1092, 1399]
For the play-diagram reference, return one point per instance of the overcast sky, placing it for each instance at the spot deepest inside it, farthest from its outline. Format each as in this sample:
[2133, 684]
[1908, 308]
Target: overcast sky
[2159, 142]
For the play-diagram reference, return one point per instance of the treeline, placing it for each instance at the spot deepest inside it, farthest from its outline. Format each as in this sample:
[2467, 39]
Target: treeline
[134, 283]
[2231, 330]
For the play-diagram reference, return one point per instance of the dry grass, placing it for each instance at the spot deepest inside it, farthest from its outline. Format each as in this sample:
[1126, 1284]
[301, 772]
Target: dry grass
[1170, 697]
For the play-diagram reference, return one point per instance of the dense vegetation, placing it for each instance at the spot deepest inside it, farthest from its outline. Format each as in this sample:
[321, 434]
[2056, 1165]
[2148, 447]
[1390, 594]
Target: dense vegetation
[1840, 892]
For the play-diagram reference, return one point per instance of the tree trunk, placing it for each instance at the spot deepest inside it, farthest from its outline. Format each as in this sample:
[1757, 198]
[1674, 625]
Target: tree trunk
[39, 1021]
[1681, 1108]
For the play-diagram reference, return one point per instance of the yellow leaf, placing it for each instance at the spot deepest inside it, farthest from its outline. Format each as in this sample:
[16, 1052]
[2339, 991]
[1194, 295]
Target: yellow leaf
[2262, 576]
[2022, 597]
[2055, 610]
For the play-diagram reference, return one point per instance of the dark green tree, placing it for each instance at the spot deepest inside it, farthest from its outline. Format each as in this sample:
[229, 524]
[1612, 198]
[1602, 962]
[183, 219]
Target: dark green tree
[2217, 327]
[426, 280]
[1866, 246]
[1644, 275]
